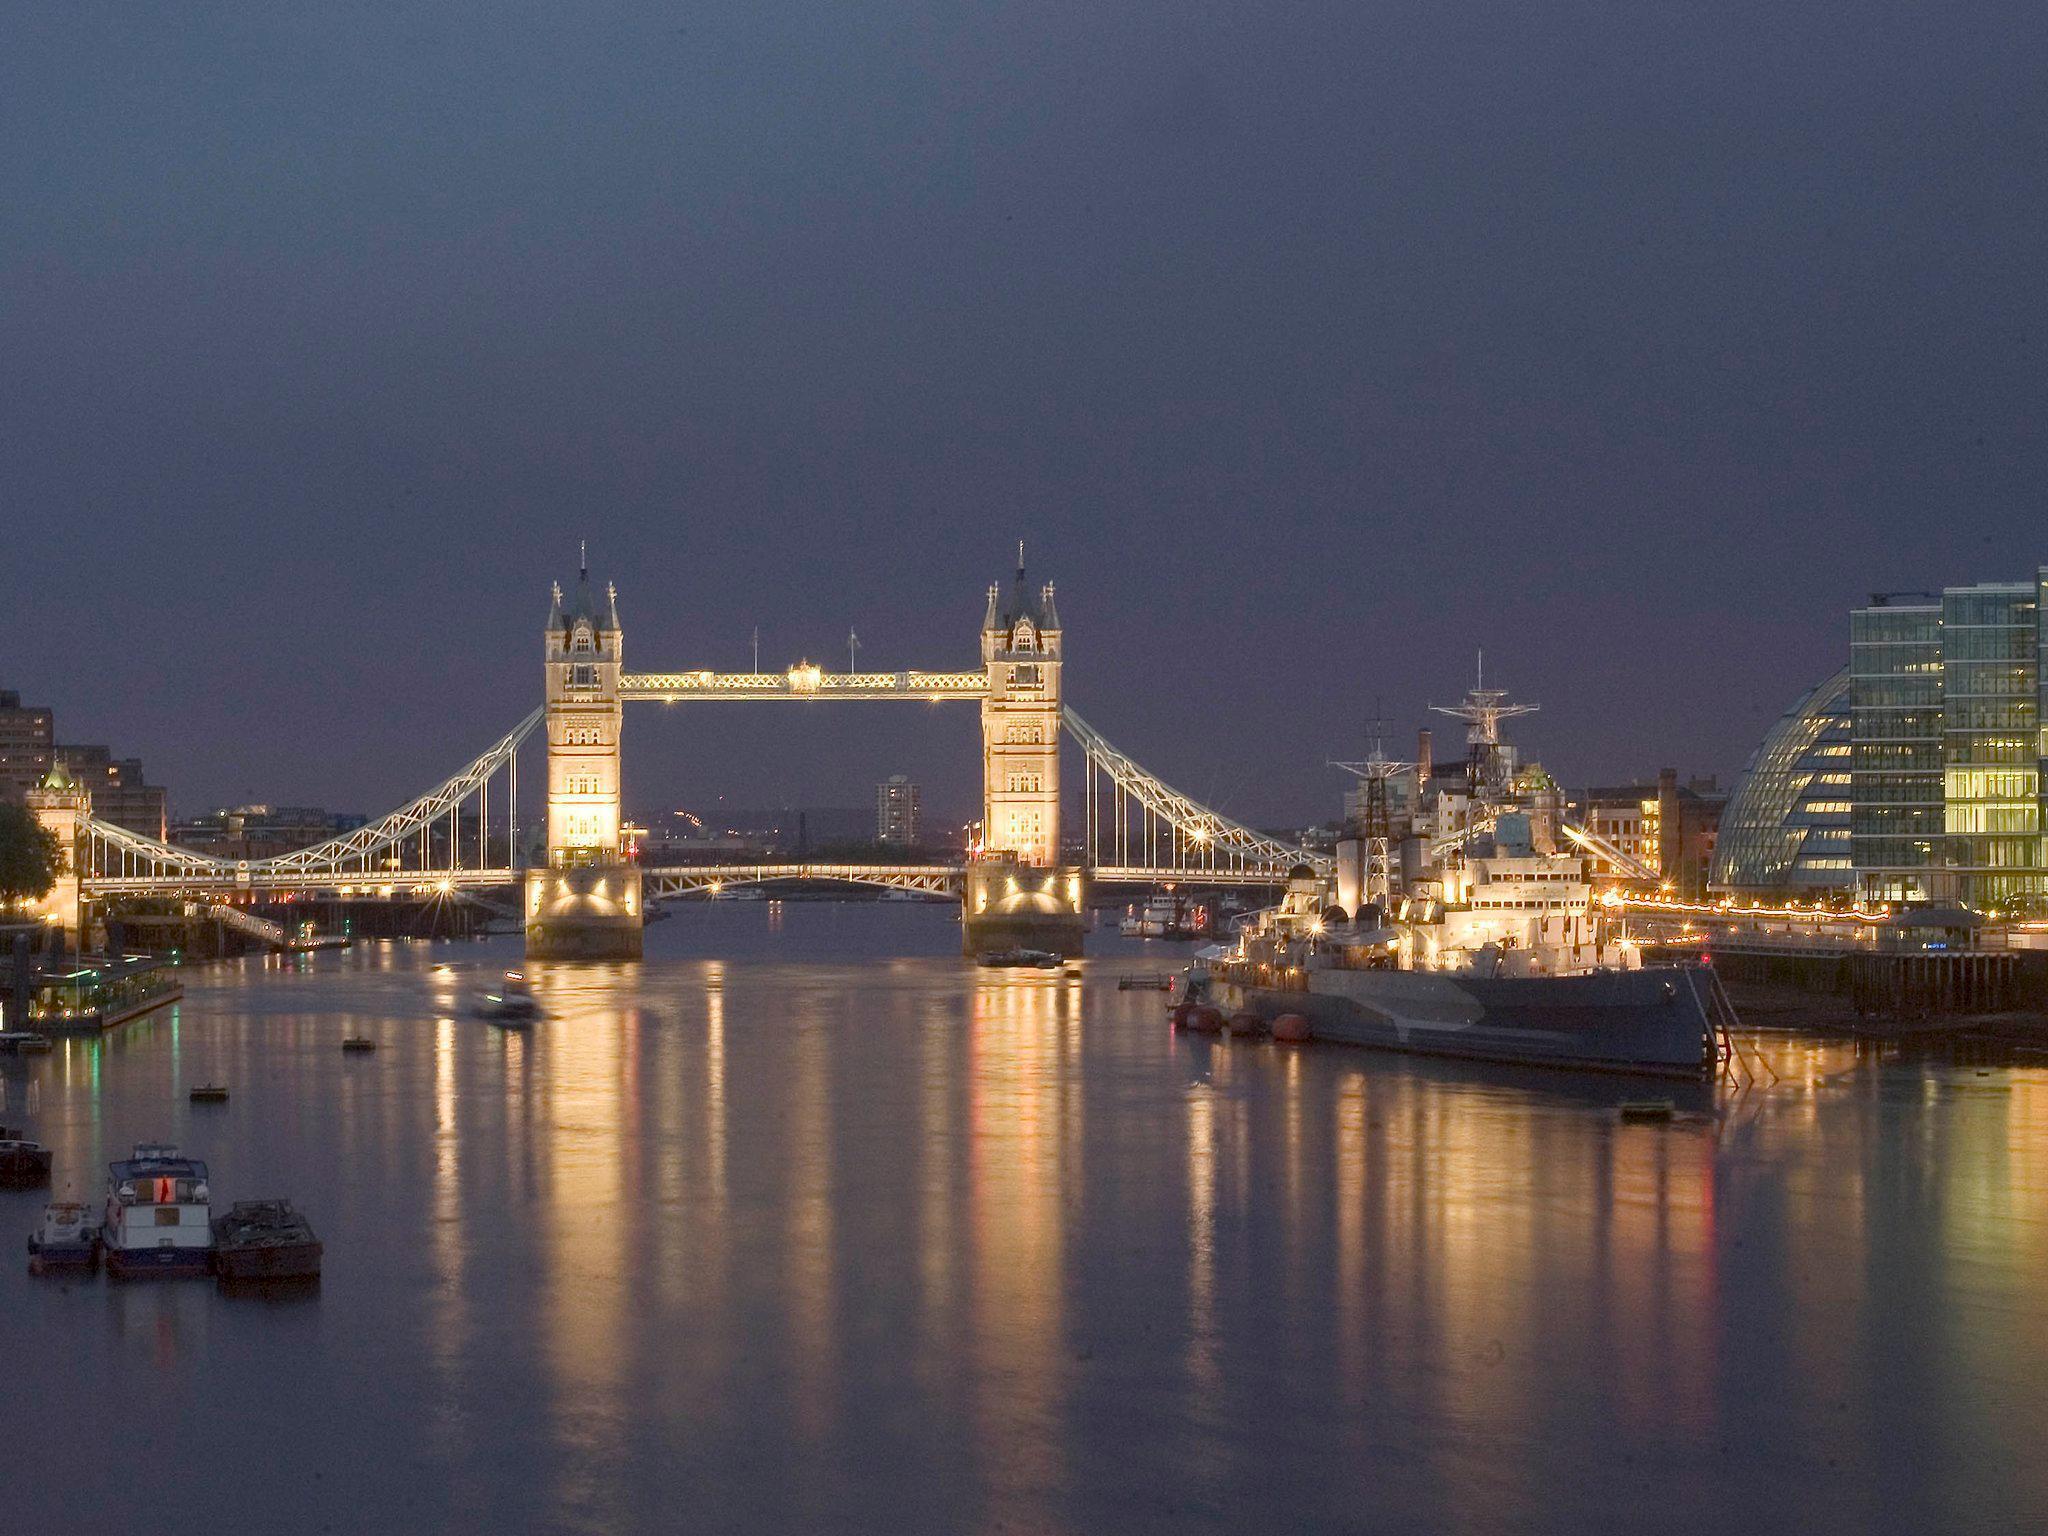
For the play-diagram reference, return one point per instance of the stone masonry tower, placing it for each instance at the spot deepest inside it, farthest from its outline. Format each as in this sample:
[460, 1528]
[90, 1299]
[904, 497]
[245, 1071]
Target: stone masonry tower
[586, 903]
[584, 717]
[60, 806]
[1020, 724]
[1016, 894]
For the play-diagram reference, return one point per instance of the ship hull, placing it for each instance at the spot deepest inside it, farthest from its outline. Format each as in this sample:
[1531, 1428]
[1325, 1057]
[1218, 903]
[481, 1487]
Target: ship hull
[1651, 1022]
[276, 1261]
[157, 1263]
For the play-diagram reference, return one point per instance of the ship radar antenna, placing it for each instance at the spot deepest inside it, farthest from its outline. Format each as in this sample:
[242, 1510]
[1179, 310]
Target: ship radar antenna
[1374, 821]
[1482, 711]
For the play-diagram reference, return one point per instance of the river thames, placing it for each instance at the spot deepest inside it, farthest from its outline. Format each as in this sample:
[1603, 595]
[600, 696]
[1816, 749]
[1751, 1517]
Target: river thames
[804, 1223]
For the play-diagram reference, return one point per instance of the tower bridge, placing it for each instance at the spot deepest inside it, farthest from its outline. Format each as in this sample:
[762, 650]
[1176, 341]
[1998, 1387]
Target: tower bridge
[582, 896]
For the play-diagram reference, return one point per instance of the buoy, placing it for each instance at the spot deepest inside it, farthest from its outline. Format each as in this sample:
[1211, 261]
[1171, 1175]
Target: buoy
[1180, 1015]
[1245, 1022]
[1206, 1020]
[1291, 1029]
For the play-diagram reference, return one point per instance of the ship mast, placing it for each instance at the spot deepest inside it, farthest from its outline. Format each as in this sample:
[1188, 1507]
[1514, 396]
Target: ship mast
[1482, 711]
[1377, 824]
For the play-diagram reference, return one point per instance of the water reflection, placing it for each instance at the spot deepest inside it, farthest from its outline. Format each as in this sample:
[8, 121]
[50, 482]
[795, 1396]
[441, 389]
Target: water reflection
[808, 1240]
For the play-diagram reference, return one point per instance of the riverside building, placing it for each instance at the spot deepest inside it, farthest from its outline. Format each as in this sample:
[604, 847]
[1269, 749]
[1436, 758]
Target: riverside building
[897, 811]
[1915, 774]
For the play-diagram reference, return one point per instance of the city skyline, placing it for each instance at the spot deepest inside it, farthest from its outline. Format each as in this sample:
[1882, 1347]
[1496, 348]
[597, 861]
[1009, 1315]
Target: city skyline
[744, 749]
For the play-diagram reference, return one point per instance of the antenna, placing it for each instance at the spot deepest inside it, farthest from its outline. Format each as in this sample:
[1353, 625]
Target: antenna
[1483, 710]
[1375, 823]
[852, 645]
[757, 648]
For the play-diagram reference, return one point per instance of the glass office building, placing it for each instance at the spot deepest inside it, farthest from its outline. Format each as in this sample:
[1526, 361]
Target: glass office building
[1941, 724]
[1785, 829]
[1895, 825]
[1991, 744]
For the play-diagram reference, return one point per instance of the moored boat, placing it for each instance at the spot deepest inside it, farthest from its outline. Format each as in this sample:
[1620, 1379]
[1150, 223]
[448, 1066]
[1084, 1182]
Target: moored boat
[265, 1240]
[355, 1044]
[1029, 959]
[159, 1214]
[66, 1238]
[210, 1093]
[1470, 927]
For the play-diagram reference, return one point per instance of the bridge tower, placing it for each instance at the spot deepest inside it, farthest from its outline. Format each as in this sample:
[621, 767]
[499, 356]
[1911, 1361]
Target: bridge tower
[1017, 893]
[1020, 724]
[586, 903]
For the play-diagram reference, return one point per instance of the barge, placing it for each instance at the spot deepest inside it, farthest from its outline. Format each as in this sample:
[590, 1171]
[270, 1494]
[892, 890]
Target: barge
[265, 1240]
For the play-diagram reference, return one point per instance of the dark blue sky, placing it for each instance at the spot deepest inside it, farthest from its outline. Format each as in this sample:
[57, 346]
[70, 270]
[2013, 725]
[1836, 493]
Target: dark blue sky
[1309, 345]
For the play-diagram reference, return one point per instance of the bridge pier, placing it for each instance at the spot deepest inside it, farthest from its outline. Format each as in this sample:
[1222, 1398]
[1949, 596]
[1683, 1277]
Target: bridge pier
[1007, 905]
[584, 912]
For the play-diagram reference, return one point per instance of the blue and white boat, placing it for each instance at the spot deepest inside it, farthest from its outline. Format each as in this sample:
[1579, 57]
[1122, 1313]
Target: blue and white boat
[66, 1238]
[159, 1217]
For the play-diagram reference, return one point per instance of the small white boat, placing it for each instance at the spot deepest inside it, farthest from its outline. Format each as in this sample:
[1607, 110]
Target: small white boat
[66, 1238]
[513, 1005]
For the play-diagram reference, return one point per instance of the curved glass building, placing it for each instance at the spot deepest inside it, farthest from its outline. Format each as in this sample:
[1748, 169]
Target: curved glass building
[1786, 826]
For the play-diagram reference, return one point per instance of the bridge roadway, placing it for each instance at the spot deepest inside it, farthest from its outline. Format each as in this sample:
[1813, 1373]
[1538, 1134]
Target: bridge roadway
[934, 879]
[661, 881]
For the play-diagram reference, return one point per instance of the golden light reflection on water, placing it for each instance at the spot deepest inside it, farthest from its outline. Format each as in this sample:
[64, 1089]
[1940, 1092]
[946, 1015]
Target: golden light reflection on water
[808, 1219]
[585, 1060]
[714, 1083]
[1204, 1371]
[1016, 1225]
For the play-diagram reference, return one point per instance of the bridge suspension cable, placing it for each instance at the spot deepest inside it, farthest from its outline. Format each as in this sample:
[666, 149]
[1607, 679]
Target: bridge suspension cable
[1140, 823]
[407, 845]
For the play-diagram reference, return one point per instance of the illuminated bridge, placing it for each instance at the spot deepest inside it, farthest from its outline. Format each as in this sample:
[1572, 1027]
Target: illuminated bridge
[465, 834]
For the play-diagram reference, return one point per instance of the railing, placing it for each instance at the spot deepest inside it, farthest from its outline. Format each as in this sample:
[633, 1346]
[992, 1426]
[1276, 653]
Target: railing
[255, 927]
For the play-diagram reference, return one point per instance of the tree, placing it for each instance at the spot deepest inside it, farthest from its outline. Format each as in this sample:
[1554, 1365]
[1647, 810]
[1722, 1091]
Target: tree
[28, 855]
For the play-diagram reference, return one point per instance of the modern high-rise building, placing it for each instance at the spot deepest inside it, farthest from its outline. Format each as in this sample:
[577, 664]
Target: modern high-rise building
[29, 750]
[897, 812]
[27, 735]
[1944, 746]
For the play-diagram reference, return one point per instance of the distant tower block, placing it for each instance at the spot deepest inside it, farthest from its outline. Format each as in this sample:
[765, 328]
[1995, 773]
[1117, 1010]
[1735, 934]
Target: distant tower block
[1017, 894]
[586, 903]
